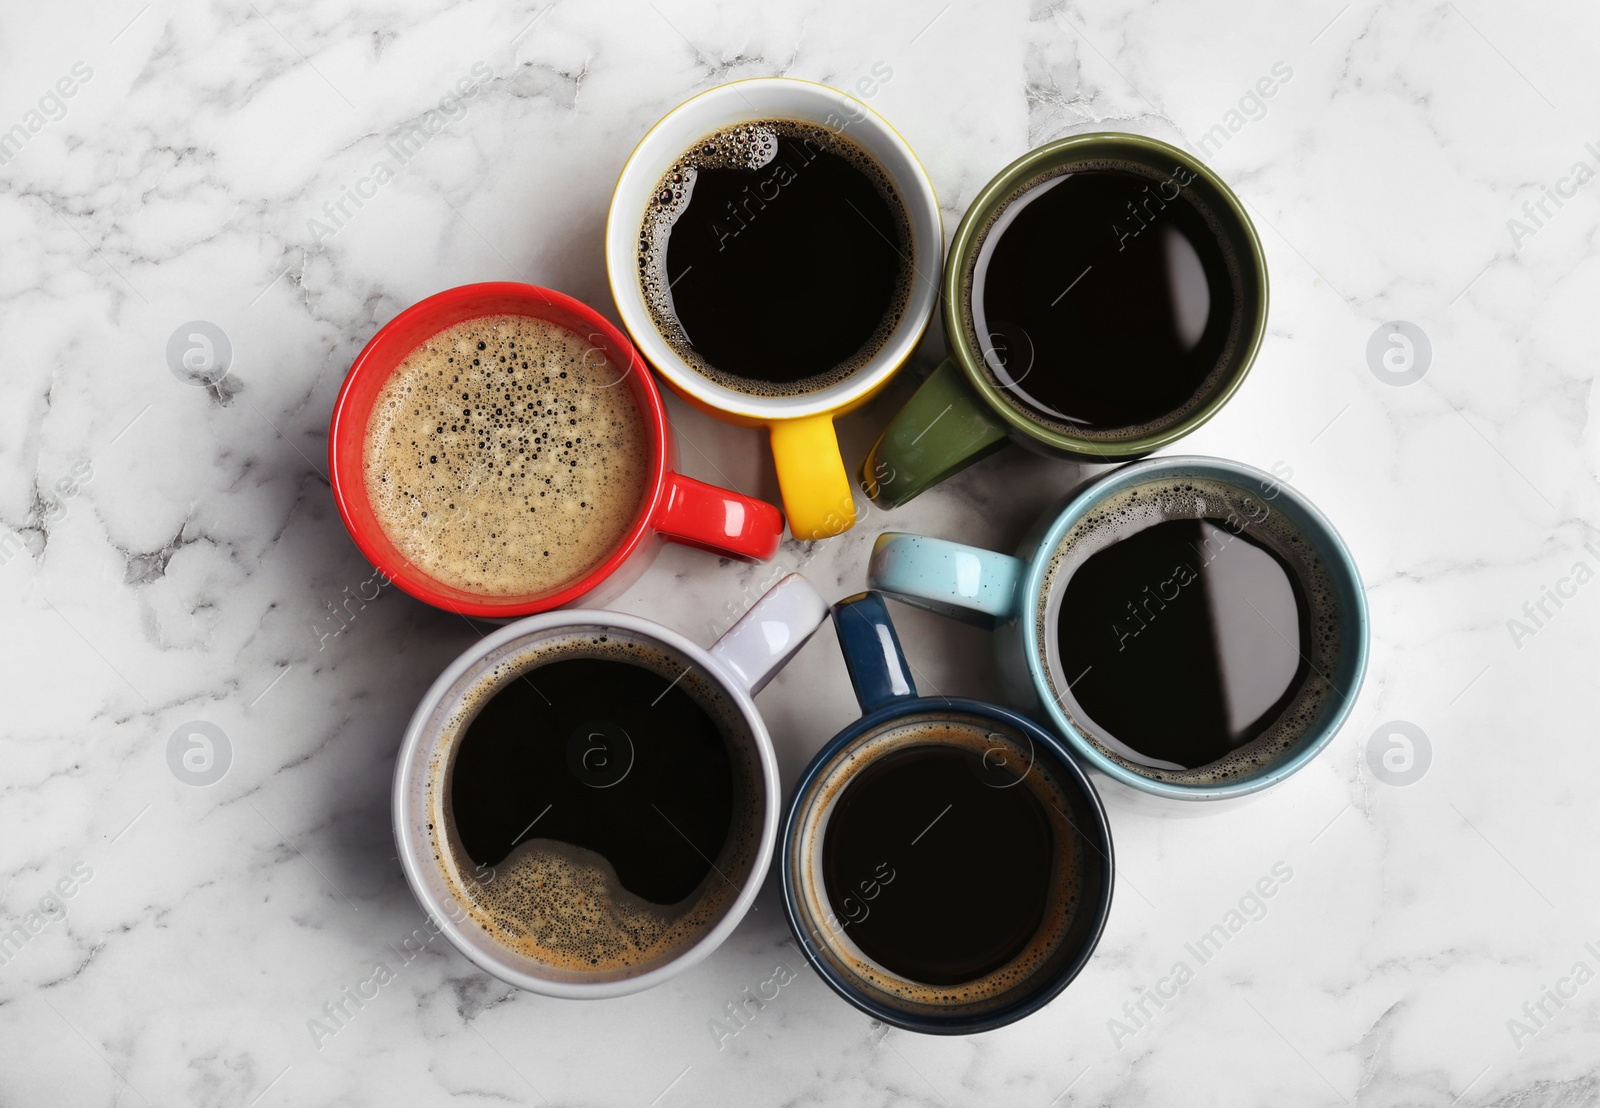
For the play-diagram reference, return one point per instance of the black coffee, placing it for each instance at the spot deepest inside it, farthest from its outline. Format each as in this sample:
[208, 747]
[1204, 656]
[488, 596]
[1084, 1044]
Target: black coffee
[940, 866]
[776, 257]
[609, 798]
[956, 908]
[1104, 299]
[1192, 625]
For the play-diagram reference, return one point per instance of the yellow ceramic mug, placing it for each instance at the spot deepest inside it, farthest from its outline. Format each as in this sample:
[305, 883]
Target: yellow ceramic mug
[817, 493]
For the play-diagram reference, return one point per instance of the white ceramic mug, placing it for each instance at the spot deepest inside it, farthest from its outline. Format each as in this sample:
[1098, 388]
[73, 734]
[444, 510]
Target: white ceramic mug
[738, 666]
[817, 492]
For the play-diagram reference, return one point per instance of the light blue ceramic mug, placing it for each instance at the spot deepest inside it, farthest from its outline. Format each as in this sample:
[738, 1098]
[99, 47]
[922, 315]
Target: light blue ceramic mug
[1021, 597]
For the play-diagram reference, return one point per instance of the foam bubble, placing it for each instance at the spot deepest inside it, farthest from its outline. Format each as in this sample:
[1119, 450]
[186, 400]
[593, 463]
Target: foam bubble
[1133, 509]
[506, 456]
[559, 902]
[751, 146]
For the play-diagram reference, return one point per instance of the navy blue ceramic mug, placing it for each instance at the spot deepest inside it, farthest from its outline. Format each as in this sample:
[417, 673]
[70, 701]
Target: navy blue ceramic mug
[947, 868]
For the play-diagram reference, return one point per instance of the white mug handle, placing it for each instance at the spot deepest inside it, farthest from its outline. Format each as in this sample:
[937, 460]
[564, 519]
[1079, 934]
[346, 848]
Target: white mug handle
[768, 635]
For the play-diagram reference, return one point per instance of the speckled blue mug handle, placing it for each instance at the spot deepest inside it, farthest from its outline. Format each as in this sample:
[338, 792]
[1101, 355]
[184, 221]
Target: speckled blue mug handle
[951, 578]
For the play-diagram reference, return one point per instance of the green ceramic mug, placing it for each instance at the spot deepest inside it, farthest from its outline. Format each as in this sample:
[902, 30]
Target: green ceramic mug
[964, 411]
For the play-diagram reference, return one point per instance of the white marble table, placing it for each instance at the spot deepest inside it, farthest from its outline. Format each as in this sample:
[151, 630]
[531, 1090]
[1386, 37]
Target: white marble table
[170, 553]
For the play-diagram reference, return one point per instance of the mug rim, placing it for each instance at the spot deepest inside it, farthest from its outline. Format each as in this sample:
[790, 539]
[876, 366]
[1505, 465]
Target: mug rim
[835, 398]
[350, 489]
[417, 745]
[1327, 541]
[1028, 165]
[1057, 983]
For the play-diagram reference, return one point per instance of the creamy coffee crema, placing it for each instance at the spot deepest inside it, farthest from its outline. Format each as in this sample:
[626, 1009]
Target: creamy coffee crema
[506, 456]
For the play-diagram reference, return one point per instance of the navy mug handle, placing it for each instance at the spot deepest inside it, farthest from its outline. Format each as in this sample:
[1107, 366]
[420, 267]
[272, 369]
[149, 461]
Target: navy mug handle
[872, 654]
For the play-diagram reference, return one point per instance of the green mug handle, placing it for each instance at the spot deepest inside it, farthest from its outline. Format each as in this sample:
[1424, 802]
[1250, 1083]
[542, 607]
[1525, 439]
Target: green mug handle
[943, 429]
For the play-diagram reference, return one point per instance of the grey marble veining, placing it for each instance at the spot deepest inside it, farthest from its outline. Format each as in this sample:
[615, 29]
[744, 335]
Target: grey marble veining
[170, 553]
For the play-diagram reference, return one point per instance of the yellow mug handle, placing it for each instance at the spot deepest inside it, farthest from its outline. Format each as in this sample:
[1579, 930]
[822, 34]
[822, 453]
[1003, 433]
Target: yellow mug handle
[817, 496]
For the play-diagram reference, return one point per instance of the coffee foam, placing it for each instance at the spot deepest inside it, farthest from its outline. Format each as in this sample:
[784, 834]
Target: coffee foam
[506, 456]
[562, 906]
[1133, 509]
[752, 146]
[1225, 358]
[1051, 945]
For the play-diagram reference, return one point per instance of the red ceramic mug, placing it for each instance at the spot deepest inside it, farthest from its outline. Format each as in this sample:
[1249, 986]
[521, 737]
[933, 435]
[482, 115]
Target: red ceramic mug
[674, 507]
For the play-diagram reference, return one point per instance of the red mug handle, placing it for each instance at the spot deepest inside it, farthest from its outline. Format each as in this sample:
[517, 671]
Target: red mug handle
[724, 522]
